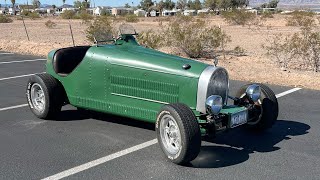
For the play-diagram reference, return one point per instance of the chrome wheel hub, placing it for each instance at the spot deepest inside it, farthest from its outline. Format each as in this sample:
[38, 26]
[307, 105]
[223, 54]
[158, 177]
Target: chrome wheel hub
[37, 97]
[170, 134]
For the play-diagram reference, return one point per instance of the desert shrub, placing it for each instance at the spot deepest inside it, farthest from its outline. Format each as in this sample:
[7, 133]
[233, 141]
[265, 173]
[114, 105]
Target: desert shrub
[101, 28]
[33, 15]
[25, 12]
[238, 17]
[239, 51]
[282, 50]
[86, 17]
[267, 14]
[104, 12]
[69, 14]
[300, 50]
[131, 18]
[29, 14]
[5, 19]
[150, 39]
[50, 24]
[202, 15]
[194, 38]
[19, 18]
[184, 18]
[118, 18]
[301, 18]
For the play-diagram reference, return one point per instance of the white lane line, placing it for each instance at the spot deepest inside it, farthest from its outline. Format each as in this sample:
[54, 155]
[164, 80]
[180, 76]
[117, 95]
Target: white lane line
[287, 92]
[99, 161]
[21, 61]
[13, 107]
[14, 77]
[5, 53]
[110, 157]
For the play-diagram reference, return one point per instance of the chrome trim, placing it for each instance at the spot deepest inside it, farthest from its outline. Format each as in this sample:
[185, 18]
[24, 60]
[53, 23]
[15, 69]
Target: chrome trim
[203, 87]
[134, 97]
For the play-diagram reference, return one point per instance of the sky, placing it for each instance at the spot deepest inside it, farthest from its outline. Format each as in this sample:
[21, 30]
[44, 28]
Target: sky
[96, 2]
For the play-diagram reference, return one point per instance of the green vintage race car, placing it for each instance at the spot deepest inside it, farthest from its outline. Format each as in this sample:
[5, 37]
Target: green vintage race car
[186, 99]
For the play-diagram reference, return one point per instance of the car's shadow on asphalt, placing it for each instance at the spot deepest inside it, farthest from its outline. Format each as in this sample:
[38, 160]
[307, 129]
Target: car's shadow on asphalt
[234, 147]
[229, 148]
[77, 115]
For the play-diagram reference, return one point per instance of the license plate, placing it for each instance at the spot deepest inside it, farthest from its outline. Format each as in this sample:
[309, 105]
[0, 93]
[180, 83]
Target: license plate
[238, 118]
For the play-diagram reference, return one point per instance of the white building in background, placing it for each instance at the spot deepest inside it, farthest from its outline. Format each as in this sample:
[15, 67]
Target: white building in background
[172, 12]
[14, 11]
[153, 13]
[3, 10]
[190, 12]
[203, 11]
[100, 9]
[68, 9]
[121, 11]
[139, 12]
[41, 10]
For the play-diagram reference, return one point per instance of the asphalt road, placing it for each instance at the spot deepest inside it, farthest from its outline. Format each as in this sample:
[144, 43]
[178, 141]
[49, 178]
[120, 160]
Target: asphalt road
[34, 149]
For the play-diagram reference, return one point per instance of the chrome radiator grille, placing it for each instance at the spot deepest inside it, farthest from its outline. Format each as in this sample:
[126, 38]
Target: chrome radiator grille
[213, 81]
[218, 84]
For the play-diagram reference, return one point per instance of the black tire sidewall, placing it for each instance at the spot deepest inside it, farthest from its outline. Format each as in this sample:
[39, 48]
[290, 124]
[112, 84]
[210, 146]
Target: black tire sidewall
[269, 107]
[189, 132]
[36, 79]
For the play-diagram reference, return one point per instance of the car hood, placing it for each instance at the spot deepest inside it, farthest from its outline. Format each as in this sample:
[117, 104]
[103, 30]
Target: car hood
[148, 59]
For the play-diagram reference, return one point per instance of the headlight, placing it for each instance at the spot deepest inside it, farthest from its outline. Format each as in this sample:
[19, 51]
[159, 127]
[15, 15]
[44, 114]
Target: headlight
[253, 92]
[214, 104]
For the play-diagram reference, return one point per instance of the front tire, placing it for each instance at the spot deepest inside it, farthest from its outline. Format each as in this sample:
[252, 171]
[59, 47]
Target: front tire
[178, 133]
[45, 96]
[268, 106]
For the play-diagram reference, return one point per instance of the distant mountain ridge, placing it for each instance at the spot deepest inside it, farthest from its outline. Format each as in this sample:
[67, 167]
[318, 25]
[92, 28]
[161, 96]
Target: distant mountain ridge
[293, 2]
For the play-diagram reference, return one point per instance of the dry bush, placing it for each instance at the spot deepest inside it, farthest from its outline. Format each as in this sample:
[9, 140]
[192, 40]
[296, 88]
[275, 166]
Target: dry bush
[189, 35]
[69, 14]
[99, 28]
[300, 51]
[301, 19]
[239, 51]
[203, 15]
[131, 18]
[86, 17]
[150, 39]
[282, 50]
[267, 14]
[5, 19]
[50, 24]
[194, 38]
[239, 17]
[31, 15]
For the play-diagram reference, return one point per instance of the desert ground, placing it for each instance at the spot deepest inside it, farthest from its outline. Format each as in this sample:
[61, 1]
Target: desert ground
[255, 66]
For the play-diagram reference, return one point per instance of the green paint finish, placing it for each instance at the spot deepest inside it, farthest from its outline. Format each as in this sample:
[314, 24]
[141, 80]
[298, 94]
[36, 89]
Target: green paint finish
[130, 80]
[232, 109]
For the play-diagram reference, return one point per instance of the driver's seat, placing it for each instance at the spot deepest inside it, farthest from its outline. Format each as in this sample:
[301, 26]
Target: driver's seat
[65, 60]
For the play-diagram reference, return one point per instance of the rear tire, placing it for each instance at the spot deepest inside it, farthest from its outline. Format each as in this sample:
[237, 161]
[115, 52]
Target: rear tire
[269, 106]
[45, 96]
[178, 133]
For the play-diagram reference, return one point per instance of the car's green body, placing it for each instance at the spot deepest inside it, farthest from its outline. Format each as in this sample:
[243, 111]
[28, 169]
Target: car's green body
[133, 81]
